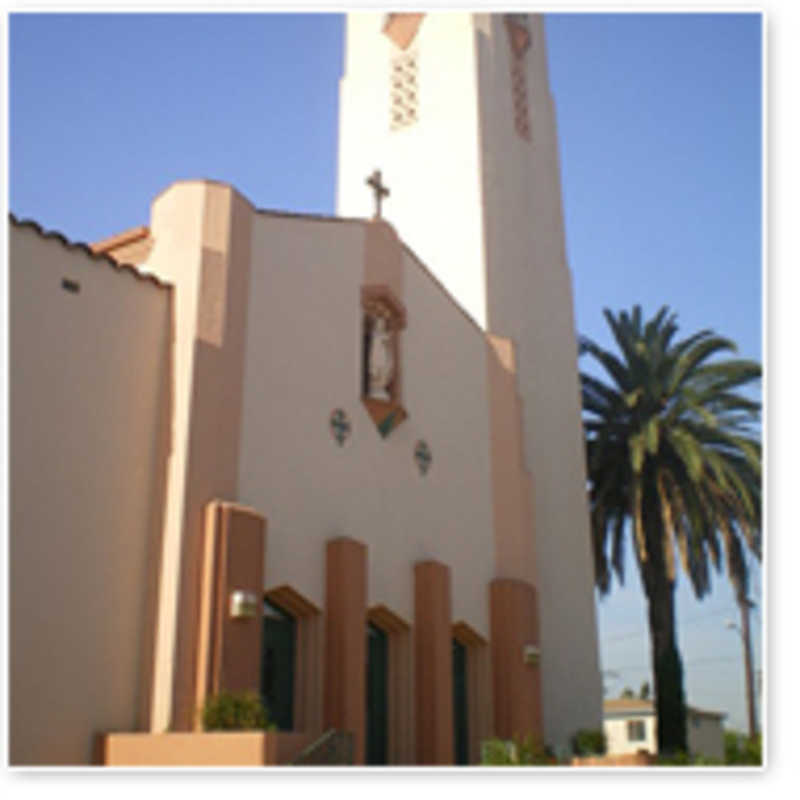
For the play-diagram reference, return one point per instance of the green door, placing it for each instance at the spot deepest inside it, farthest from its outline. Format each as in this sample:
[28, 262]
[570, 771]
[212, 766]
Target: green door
[377, 703]
[277, 666]
[460, 728]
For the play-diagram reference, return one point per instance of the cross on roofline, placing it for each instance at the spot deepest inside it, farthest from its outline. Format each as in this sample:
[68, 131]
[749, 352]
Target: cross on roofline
[379, 189]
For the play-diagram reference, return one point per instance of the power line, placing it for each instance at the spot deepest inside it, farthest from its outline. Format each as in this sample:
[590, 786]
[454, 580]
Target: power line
[685, 664]
[681, 623]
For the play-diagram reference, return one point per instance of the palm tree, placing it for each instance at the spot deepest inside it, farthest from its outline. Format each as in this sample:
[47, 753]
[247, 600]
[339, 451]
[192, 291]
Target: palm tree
[673, 456]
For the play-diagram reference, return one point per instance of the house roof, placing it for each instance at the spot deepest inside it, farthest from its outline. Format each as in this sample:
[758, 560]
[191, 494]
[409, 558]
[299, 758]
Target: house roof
[621, 705]
[699, 712]
[95, 256]
[633, 705]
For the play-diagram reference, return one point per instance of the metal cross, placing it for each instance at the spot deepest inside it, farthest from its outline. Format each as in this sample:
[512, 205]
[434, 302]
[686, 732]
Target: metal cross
[380, 190]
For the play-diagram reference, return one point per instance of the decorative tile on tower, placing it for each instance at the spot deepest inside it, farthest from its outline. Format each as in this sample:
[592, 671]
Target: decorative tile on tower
[404, 90]
[517, 26]
[520, 40]
[402, 28]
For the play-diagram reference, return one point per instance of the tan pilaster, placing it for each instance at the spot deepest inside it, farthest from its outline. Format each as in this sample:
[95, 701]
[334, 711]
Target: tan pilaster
[517, 691]
[345, 639]
[229, 648]
[433, 657]
[201, 245]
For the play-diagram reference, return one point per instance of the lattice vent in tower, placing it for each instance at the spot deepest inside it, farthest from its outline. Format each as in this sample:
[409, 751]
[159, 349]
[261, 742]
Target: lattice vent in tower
[404, 91]
[519, 38]
[519, 92]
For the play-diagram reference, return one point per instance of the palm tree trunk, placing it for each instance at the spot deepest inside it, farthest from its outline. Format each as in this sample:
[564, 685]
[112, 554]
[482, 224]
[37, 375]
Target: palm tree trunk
[659, 587]
[667, 668]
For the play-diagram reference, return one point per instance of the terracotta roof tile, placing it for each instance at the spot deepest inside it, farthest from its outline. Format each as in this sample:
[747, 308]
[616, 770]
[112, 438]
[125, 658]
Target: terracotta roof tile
[126, 237]
[130, 268]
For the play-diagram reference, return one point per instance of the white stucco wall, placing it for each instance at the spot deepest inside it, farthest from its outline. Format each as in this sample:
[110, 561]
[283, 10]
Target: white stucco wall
[432, 167]
[616, 730]
[529, 299]
[303, 359]
[482, 208]
[88, 420]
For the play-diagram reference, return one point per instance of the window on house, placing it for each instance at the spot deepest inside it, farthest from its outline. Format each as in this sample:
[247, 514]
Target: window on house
[636, 730]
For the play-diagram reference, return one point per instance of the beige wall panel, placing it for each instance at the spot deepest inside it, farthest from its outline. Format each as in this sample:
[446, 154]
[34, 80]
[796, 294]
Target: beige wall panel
[517, 685]
[202, 243]
[304, 341]
[89, 412]
[514, 535]
[229, 657]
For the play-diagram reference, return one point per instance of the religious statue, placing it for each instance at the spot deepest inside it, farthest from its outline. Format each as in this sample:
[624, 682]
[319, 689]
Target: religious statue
[381, 361]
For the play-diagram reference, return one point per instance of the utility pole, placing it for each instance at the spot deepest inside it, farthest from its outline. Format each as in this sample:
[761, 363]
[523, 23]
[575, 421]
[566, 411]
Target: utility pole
[744, 631]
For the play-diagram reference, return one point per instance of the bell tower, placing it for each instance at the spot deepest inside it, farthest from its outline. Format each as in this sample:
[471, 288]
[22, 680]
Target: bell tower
[455, 110]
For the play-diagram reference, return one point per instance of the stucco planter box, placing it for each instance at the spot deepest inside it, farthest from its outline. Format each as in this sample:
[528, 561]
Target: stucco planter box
[216, 749]
[640, 759]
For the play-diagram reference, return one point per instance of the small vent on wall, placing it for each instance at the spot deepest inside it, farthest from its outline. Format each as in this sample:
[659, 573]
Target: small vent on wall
[70, 286]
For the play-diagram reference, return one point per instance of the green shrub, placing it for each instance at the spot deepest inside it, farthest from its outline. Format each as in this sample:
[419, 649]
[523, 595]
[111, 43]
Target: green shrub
[235, 711]
[518, 752]
[741, 750]
[588, 742]
[677, 759]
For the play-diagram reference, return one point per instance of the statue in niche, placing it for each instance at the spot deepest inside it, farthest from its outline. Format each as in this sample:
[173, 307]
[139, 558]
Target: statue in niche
[381, 361]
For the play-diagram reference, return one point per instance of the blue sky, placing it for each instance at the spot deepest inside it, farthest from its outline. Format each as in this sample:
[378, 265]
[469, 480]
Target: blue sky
[659, 119]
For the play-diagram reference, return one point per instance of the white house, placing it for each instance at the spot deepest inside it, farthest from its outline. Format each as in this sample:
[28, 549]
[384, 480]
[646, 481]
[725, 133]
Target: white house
[630, 726]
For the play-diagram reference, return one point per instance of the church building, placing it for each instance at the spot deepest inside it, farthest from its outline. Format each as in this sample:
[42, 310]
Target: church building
[337, 461]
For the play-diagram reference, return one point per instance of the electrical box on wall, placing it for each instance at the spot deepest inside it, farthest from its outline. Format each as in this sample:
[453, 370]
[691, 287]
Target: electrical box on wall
[244, 605]
[531, 654]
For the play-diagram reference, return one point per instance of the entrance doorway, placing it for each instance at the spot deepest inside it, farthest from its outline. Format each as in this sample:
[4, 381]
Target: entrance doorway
[460, 720]
[277, 666]
[377, 696]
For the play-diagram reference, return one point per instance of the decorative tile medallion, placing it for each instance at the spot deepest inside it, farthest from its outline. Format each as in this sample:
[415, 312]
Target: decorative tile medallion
[340, 426]
[422, 455]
